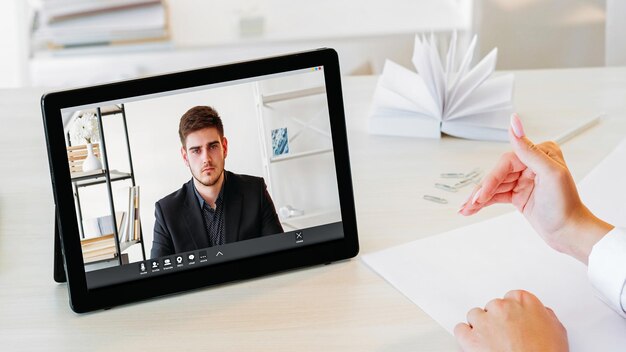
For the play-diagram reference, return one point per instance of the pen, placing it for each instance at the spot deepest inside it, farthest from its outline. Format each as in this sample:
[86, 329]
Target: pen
[566, 136]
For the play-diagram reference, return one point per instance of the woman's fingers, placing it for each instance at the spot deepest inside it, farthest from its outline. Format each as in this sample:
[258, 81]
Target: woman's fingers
[505, 187]
[497, 198]
[512, 177]
[472, 202]
[503, 172]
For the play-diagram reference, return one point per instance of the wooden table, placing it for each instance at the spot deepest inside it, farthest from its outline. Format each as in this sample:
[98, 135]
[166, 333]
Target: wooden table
[343, 306]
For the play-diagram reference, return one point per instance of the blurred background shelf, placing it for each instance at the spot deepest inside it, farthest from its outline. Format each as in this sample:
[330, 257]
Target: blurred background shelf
[205, 33]
[171, 35]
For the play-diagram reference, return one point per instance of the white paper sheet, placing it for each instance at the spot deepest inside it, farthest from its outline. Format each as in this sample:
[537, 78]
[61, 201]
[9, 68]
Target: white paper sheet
[448, 274]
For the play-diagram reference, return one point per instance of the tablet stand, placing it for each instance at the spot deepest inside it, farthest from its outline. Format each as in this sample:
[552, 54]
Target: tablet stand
[59, 269]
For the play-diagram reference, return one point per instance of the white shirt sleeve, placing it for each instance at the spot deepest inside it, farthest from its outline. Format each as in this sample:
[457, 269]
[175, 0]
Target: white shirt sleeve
[607, 269]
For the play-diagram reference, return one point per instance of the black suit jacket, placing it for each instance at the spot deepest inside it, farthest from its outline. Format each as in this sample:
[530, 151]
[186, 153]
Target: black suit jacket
[248, 213]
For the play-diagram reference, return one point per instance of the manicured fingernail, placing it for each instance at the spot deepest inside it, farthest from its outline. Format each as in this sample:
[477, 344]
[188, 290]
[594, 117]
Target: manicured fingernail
[516, 125]
[469, 197]
[476, 196]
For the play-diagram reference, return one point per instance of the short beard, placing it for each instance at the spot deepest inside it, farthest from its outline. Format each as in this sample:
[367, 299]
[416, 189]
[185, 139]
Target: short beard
[207, 184]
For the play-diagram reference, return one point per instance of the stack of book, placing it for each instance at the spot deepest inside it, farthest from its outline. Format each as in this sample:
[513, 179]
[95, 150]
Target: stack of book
[99, 241]
[61, 24]
[98, 248]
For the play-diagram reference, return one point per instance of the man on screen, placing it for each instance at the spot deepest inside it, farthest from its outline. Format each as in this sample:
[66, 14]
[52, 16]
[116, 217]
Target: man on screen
[216, 206]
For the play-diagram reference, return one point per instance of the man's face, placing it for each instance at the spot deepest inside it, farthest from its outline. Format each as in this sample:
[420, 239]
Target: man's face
[204, 153]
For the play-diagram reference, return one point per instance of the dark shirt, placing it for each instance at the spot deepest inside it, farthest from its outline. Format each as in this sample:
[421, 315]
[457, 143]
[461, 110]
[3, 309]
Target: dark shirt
[180, 224]
[213, 218]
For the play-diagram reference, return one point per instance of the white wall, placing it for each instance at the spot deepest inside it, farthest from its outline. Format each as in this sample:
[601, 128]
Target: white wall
[13, 41]
[542, 33]
[615, 33]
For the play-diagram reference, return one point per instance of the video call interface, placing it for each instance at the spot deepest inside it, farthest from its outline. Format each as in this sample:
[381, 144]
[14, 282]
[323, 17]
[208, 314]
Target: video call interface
[205, 175]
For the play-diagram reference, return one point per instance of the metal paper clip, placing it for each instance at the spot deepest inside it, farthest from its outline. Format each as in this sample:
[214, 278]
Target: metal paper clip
[464, 183]
[452, 175]
[473, 174]
[445, 187]
[435, 199]
[472, 177]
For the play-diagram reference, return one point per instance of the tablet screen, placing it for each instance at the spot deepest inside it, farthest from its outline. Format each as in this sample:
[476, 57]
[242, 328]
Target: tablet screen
[195, 177]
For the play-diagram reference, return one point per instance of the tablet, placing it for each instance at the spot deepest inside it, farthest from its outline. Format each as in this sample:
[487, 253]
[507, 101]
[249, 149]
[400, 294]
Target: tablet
[185, 180]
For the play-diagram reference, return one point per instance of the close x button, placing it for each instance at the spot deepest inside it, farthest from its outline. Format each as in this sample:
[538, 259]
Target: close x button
[299, 237]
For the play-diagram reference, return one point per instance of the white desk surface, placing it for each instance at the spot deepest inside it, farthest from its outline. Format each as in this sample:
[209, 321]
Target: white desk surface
[343, 306]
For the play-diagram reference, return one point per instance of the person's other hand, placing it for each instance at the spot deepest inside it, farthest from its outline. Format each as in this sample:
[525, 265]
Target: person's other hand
[518, 322]
[536, 180]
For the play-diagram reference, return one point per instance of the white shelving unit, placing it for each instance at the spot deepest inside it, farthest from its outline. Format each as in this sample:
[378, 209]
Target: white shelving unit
[310, 124]
[264, 103]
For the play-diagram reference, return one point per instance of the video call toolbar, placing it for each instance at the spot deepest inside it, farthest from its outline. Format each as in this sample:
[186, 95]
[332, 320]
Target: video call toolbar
[213, 255]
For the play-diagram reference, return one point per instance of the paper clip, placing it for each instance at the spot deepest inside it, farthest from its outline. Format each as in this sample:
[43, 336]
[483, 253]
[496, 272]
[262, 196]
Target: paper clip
[464, 183]
[445, 187]
[473, 174]
[472, 177]
[452, 175]
[435, 199]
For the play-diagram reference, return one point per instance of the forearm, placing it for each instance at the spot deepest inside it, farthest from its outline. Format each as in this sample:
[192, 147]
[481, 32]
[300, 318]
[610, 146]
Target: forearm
[583, 231]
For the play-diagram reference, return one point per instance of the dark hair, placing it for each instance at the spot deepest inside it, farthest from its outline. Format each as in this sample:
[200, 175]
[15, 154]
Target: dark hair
[197, 118]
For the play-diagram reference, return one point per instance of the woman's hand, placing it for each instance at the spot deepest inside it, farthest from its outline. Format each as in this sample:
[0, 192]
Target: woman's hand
[536, 180]
[518, 322]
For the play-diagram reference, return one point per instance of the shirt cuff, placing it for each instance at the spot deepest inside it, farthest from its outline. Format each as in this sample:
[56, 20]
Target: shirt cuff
[607, 269]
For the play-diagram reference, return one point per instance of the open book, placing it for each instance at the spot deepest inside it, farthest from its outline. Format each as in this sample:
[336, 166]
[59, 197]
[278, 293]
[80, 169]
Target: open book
[456, 99]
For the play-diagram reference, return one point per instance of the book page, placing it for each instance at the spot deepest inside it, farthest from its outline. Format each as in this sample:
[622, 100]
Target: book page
[387, 98]
[462, 71]
[422, 62]
[409, 85]
[451, 59]
[436, 69]
[494, 94]
[477, 75]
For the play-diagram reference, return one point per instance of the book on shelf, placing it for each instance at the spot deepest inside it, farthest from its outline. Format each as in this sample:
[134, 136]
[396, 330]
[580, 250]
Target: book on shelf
[79, 23]
[103, 225]
[132, 226]
[61, 10]
[137, 232]
[98, 248]
[448, 97]
[99, 243]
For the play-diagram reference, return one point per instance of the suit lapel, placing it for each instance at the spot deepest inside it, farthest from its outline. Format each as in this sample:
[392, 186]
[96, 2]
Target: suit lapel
[193, 219]
[232, 209]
